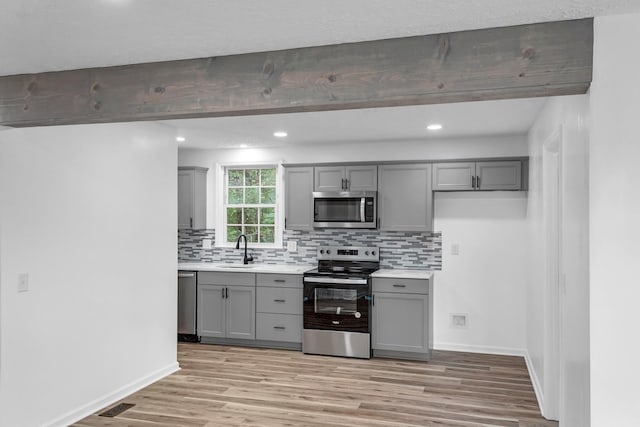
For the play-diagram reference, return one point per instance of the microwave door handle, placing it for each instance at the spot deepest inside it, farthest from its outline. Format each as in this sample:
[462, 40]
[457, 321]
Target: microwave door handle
[362, 218]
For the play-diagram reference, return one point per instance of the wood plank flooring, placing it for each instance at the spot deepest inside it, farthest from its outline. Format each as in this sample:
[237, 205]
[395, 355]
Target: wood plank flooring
[237, 386]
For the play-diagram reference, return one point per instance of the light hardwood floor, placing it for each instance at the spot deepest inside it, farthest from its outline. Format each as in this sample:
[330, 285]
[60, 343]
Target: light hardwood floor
[236, 386]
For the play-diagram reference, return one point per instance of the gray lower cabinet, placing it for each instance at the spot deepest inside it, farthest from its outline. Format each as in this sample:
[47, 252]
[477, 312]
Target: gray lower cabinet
[298, 184]
[402, 318]
[192, 197]
[226, 305]
[405, 199]
[469, 176]
[279, 307]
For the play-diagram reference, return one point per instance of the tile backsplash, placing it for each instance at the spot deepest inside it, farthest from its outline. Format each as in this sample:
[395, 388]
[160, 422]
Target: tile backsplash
[397, 249]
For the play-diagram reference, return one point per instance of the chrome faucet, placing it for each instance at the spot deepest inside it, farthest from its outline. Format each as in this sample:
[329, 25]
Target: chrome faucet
[246, 259]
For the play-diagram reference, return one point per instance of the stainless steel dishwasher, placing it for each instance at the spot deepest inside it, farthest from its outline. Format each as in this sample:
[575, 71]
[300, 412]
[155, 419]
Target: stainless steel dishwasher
[187, 303]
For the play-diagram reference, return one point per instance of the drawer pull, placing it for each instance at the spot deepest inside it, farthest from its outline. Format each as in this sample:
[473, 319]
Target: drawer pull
[279, 280]
[279, 300]
[279, 327]
[399, 286]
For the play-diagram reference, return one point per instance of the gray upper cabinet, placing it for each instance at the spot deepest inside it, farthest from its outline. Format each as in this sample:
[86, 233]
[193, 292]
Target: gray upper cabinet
[346, 178]
[192, 197]
[298, 198]
[469, 176]
[405, 199]
[506, 175]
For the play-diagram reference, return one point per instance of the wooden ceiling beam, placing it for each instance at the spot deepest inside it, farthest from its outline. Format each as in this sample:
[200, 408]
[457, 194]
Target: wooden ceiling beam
[533, 60]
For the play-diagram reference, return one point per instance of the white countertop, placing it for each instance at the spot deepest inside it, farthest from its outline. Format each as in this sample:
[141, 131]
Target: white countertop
[248, 268]
[402, 273]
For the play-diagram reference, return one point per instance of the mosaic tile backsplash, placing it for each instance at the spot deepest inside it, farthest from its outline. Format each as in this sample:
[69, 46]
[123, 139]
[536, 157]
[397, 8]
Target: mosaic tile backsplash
[397, 249]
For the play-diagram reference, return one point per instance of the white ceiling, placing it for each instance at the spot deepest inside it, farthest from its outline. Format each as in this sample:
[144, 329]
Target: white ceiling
[51, 35]
[367, 125]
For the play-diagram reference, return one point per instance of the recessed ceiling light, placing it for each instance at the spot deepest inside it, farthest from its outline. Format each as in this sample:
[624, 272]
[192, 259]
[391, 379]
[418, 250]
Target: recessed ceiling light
[244, 146]
[181, 138]
[280, 134]
[434, 126]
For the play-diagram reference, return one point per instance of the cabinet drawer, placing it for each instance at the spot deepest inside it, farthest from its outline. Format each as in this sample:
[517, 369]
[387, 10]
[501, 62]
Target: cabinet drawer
[279, 300]
[408, 286]
[226, 279]
[281, 280]
[279, 327]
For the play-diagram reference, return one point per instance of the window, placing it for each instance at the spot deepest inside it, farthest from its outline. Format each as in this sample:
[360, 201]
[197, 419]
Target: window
[250, 205]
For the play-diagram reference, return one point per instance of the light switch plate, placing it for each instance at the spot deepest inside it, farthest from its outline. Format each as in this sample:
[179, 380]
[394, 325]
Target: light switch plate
[292, 245]
[23, 282]
[455, 249]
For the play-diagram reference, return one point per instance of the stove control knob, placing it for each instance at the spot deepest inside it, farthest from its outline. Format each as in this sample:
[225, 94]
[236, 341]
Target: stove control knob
[322, 251]
[328, 251]
[373, 252]
[366, 252]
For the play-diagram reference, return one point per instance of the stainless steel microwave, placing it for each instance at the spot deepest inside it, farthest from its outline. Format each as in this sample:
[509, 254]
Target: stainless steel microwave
[345, 209]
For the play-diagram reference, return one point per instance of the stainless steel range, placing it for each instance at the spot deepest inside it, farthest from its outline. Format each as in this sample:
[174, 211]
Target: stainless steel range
[337, 302]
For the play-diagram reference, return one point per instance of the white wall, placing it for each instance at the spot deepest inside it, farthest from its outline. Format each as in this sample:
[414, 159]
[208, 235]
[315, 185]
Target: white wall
[430, 149]
[486, 281]
[89, 212]
[566, 117]
[614, 223]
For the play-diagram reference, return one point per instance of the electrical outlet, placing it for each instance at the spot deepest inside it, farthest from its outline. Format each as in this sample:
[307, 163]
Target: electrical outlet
[455, 249]
[206, 244]
[292, 245]
[458, 321]
[23, 282]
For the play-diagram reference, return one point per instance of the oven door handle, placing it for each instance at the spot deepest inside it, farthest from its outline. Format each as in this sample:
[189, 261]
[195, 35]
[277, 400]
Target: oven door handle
[334, 280]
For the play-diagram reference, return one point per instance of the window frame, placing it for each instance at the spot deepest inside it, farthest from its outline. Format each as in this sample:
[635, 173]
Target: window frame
[221, 204]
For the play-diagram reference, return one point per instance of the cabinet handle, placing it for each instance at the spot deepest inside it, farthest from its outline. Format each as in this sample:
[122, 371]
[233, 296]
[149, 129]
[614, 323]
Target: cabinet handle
[279, 300]
[279, 327]
[473, 182]
[226, 293]
[342, 186]
[186, 275]
[399, 286]
[279, 280]
[190, 222]
[373, 300]
[222, 293]
[346, 184]
[477, 182]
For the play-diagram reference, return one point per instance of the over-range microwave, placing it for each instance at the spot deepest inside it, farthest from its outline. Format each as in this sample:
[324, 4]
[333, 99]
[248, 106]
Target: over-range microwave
[345, 209]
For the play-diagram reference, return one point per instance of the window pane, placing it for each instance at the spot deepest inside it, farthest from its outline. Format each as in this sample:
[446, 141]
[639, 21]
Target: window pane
[268, 196]
[233, 232]
[252, 195]
[252, 177]
[266, 235]
[235, 196]
[234, 215]
[267, 216]
[268, 176]
[251, 233]
[250, 215]
[236, 177]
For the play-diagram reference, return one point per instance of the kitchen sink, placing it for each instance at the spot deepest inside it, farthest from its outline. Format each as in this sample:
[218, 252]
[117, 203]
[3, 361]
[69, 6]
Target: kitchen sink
[236, 266]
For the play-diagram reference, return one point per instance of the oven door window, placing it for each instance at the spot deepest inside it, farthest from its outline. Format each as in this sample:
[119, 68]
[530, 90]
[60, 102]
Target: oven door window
[336, 301]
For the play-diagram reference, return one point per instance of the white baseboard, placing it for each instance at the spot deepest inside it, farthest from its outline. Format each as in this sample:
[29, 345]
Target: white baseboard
[91, 407]
[535, 381]
[504, 351]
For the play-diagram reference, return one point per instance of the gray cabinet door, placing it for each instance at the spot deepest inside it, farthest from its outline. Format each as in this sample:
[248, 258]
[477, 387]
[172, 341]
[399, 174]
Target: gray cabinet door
[298, 198]
[211, 311]
[241, 312]
[329, 178]
[405, 199]
[400, 322]
[453, 176]
[192, 198]
[362, 178]
[505, 175]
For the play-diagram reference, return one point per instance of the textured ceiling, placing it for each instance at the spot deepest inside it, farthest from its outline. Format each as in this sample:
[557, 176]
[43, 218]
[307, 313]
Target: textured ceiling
[48, 35]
